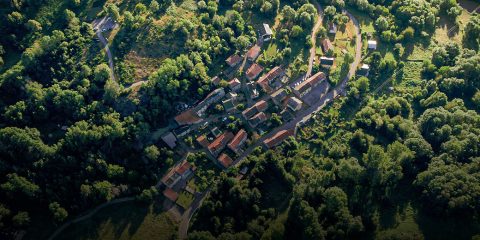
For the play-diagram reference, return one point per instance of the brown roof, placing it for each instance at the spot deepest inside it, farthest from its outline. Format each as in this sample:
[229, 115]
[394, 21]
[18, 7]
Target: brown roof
[234, 82]
[272, 74]
[326, 45]
[310, 82]
[253, 71]
[187, 117]
[253, 52]
[170, 194]
[215, 80]
[225, 160]
[220, 141]
[233, 60]
[183, 167]
[259, 106]
[202, 140]
[278, 138]
[239, 137]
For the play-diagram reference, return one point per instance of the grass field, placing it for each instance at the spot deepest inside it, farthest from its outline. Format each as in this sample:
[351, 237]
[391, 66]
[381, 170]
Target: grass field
[185, 199]
[343, 43]
[126, 221]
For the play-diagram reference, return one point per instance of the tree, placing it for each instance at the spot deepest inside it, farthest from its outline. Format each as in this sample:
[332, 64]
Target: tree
[18, 184]
[59, 213]
[21, 219]
[113, 11]
[472, 31]
[101, 73]
[382, 23]
[330, 12]
[476, 99]
[112, 91]
[297, 31]
[152, 153]
[289, 14]
[154, 6]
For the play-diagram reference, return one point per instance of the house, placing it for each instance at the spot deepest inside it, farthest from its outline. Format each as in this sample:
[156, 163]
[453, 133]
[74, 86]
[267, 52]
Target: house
[372, 44]
[278, 138]
[228, 105]
[327, 62]
[266, 33]
[215, 80]
[332, 28]
[279, 96]
[219, 143]
[364, 70]
[170, 139]
[170, 194]
[181, 171]
[253, 53]
[233, 60]
[294, 103]
[254, 71]
[257, 119]
[225, 160]
[259, 106]
[234, 84]
[327, 46]
[202, 140]
[182, 131]
[306, 86]
[266, 80]
[238, 141]
[194, 114]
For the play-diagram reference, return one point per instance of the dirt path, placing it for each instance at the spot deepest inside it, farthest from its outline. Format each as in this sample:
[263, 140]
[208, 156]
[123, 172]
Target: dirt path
[313, 37]
[109, 53]
[88, 215]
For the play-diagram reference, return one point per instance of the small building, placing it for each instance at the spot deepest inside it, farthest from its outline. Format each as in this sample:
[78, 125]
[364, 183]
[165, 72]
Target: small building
[219, 143]
[202, 140]
[253, 53]
[238, 141]
[259, 106]
[372, 44]
[228, 105]
[233, 60]
[278, 138]
[257, 119]
[363, 70]
[170, 140]
[182, 131]
[332, 28]
[279, 96]
[266, 80]
[234, 84]
[327, 45]
[327, 62]
[215, 80]
[181, 171]
[225, 160]
[294, 103]
[254, 71]
[306, 86]
[170, 194]
[215, 131]
[266, 32]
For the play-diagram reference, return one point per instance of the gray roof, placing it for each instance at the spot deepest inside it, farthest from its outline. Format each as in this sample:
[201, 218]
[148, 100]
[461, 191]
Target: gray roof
[170, 139]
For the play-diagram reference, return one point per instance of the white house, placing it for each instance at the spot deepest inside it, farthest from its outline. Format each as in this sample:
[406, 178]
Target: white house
[372, 44]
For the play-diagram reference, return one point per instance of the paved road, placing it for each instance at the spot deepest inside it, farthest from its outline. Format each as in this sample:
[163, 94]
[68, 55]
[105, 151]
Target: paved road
[313, 36]
[109, 53]
[188, 214]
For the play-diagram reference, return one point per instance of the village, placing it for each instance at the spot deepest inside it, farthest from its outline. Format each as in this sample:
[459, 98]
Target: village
[251, 106]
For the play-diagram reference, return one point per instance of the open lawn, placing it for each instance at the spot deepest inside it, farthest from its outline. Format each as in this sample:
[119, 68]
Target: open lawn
[185, 199]
[126, 221]
[366, 23]
[343, 43]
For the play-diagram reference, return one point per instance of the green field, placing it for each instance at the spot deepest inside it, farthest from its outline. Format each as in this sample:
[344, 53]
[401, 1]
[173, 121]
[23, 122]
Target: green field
[185, 199]
[126, 221]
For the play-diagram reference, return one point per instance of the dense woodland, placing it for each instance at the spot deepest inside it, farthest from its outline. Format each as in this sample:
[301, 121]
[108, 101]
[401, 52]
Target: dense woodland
[72, 138]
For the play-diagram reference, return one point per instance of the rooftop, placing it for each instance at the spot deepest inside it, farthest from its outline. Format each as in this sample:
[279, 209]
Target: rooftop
[187, 117]
[266, 29]
[278, 138]
[271, 75]
[253, 71]
[233, 83]
[225, 160]
[170, 194]
[202, 140]
[220, 141]
[238, 139]
[257, 119]
[170, 139]
[233, 60]
[279, 96]
[253, 52]
[312, 81]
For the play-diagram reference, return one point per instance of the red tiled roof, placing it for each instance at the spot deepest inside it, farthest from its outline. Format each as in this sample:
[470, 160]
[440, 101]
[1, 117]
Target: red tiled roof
[234, 82]
[310, 82]
[272, 74]
[253, 71]
[202, 140]
[187, 117]
[170, 194]
[215, 80]
[183, 167]
[253, 52]
[278, 138]
[261, 105]
[225, 160]
[233, 60]
[220, 142]
[239, 137]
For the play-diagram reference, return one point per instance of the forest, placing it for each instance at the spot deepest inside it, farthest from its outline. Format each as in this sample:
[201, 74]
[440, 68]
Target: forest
[405, 137]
